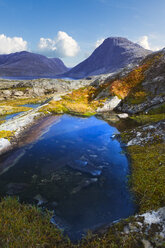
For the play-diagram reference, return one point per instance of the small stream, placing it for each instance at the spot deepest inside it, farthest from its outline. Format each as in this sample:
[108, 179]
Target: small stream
[75, 169]
[10, 116]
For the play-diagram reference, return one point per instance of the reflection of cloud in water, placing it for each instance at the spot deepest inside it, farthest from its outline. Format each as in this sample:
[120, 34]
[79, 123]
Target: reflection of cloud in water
[36, 132]
[31, 137]
[11, 161]
[85, 123]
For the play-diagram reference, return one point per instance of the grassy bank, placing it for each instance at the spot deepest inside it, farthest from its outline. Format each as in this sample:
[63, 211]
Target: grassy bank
[78, 103]
[25, 226]
[14, 106]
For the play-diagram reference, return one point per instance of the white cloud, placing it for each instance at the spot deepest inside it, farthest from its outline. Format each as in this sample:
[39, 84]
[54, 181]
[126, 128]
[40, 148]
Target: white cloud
[61, 46]
[11, 45]
[99, 42]
[144, 42]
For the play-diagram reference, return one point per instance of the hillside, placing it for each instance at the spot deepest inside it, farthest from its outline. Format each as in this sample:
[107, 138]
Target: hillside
[112, 55]
[26, 64]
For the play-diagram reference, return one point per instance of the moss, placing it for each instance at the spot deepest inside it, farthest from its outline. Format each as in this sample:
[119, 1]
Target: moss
[138, 97]
[157, 110]
[149, 118]
[1, 122]
[25, 226]
[7, 110]
[22, 88]
[148, 175]
[6, 134]
[23, 101]
[14, 106]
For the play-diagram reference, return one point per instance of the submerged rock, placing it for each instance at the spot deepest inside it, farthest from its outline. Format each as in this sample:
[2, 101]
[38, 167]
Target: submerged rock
[84, 184]
[15, 188]
[41, 200]
[85, 166]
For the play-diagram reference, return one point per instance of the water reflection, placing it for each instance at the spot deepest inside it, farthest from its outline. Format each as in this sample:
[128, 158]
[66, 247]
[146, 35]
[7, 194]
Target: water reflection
[75, 169]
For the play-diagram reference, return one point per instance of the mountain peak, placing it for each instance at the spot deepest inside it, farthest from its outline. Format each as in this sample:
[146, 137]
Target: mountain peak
[112, 55]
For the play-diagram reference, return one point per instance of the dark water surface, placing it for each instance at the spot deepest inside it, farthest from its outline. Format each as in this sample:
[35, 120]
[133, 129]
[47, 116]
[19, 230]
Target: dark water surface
[76, 169]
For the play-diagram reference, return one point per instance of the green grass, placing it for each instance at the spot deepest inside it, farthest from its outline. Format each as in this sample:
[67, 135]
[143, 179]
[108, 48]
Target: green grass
[6, 134]
[148, 175]
[24, 226]
[148, 118]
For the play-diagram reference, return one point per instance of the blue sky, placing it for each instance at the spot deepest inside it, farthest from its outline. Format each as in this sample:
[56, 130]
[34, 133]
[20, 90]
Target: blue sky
[70, 28]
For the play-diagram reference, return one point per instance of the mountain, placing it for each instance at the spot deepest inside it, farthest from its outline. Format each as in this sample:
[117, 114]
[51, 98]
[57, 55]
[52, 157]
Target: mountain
[113, 54]
[26, 64]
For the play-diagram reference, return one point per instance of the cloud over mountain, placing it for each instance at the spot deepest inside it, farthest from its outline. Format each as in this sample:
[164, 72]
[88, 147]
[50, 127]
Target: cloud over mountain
[61, 46]
[99, 42]
[11, 45]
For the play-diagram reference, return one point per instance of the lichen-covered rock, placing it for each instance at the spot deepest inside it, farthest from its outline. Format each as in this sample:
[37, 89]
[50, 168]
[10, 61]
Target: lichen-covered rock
[110, 104]
[146, 133]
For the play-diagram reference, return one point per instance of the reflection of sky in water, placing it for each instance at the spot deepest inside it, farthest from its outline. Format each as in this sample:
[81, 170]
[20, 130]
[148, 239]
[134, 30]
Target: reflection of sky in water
[80, 167]
[10, 116]
[31, 105]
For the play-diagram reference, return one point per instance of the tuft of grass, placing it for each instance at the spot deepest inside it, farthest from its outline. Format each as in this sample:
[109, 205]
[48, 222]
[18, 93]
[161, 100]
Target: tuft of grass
[6, 134]
[7, 110]
[78, 102]
[149, 118]
[22, 101]
[25, 226]
[148, 175]
[157, 110]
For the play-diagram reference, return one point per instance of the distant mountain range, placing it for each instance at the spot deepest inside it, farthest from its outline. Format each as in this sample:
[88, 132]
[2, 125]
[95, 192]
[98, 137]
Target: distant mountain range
[26, 64]
[113, 54]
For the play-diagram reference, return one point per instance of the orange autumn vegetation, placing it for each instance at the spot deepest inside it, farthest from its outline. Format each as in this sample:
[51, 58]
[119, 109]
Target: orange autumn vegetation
[122, 87]
[77, 102]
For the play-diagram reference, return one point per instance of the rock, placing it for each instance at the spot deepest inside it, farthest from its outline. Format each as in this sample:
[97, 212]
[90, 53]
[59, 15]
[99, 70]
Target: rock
[16, 188]
[146, 243]
[18, 93]
[4, 145]
[123, 115]
[40, 200]
[85, 166]
[144, 134]
[7, 93]
[110, 104]
[84, 184]
[109, 116]
[81, 162]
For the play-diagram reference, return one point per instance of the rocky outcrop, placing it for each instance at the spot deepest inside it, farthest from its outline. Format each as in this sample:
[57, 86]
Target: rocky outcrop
[37, 88]
[147, 133]
[110, 104]
[153, 86]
